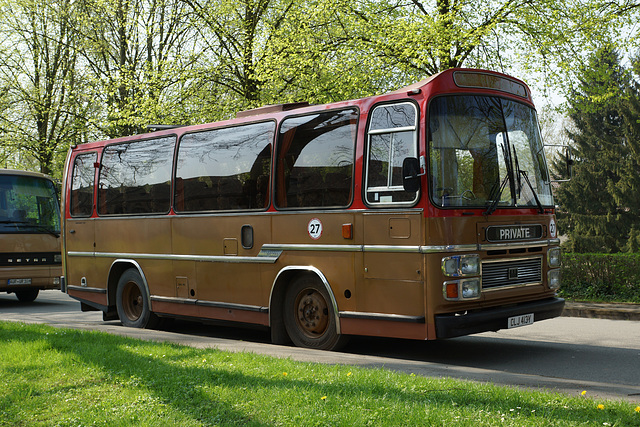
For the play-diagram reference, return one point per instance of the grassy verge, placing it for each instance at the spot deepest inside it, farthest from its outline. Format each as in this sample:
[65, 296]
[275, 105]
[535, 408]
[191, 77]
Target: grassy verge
[62, 377]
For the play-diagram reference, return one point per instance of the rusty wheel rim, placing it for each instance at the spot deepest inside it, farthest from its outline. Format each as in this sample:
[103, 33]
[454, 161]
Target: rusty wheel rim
[312, 313]
[132, 301]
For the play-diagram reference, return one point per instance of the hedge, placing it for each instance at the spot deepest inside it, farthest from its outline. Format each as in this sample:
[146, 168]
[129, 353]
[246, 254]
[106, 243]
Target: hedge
[601, 277]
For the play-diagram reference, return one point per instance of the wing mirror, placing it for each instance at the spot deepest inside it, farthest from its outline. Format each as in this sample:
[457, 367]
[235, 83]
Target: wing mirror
[411, 173]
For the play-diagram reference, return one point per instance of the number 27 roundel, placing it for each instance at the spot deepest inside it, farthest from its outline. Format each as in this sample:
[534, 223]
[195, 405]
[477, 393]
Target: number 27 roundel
[314, 228]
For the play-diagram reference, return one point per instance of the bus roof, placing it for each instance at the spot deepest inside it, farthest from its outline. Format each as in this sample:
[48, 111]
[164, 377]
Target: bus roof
[17, 172]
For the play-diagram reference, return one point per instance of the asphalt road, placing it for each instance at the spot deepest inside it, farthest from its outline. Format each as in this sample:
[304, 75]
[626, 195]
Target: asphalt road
[565, 354]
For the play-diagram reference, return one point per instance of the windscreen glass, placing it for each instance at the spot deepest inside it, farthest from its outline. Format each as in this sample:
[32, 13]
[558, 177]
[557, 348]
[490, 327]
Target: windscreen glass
[28, 205]
[486, 151]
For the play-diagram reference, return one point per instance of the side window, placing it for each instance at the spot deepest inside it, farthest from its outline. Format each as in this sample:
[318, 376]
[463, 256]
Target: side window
[135, 177]
[392, 136]
[315, 160]
[224, 169]
[81, 194]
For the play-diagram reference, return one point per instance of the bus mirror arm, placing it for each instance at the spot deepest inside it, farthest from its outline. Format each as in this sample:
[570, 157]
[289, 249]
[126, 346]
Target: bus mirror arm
[566, 156]
[411, 174]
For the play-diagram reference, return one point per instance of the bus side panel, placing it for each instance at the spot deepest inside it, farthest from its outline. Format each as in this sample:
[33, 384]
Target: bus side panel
[383, 328]
[220, 280]
[80, 246]
[337, 257]
[145, 241]
[393, 266]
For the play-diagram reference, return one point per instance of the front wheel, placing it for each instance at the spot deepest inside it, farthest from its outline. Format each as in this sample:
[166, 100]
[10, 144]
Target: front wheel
[27, 295]
[309, 316]
[132, 301]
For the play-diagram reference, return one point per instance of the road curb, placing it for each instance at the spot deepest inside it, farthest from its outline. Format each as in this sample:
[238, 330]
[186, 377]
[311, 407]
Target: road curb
[602, 311]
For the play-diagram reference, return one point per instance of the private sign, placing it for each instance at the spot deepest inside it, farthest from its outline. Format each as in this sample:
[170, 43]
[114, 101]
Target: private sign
[509, 233]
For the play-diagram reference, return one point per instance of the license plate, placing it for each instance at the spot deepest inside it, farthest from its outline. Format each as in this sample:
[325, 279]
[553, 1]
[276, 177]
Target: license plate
[19, 282]
[522, 320]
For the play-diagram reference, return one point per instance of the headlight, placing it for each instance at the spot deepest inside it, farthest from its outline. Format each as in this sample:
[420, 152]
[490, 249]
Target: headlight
[553, 257]
[461, 265]
[458, 290]
[470, 289]
[553, 277]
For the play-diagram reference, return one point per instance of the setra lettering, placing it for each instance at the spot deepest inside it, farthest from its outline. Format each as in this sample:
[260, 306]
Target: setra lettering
[514, 233]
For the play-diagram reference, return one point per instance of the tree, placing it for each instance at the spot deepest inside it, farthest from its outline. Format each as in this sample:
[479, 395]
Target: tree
[600, 206]
[38, 77]
[545, 38]
[140, 54]
[629, 192]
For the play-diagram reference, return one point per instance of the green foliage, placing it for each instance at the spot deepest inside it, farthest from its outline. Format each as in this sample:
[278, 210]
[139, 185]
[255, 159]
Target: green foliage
[63, 377]
[600, 206]
[601, 277]
[73, 72]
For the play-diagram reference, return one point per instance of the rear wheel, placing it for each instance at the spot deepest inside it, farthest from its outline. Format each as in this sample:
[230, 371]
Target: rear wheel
[132, 301]
[309, 316]
[27, 295]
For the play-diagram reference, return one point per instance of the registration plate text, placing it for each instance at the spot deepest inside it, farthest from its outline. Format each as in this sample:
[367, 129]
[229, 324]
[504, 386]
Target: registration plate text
[19, 282]
[522, 320]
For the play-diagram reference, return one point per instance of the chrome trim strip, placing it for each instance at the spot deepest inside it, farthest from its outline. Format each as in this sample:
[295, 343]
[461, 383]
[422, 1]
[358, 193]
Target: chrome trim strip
[260, 259]
[270, 252]
[392, 130]
[86, 289]
[309, 247]
[447, 248]
[389, 248]
[488, 246]
[381, 316]
[510, 245]
[502, 288]
[214, 304]
[174, 300]
[341, 248]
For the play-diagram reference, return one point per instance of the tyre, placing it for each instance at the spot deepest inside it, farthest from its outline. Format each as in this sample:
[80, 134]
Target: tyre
[132, 301]
[309, 315]
[27, 295]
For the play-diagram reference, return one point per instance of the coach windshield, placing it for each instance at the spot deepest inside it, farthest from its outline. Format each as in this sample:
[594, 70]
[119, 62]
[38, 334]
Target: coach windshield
[486, 152]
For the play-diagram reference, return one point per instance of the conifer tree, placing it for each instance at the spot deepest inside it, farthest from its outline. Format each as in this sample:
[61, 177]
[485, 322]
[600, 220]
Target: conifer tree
[599, 206]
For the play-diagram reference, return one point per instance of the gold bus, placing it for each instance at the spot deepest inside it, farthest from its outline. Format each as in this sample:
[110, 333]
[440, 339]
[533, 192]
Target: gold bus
[423, 213]
[30, 258]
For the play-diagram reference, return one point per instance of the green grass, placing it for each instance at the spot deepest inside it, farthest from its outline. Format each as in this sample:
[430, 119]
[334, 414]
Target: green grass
[61, 377]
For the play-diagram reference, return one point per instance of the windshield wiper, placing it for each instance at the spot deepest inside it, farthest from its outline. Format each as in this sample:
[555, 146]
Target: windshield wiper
[494, 195]
[535, 196]
[526, 179]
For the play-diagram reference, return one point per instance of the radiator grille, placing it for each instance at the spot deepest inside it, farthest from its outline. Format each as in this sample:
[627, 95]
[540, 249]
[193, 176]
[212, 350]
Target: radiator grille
[511, 273]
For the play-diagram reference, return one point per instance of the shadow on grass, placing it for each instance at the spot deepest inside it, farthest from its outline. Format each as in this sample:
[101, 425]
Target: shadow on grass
[187, 379]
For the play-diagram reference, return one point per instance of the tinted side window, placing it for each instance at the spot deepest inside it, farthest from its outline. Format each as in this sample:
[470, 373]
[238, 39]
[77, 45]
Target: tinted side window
[315, 160]
[81, 197]
[135, 177]
[224, 169]
[392, 137]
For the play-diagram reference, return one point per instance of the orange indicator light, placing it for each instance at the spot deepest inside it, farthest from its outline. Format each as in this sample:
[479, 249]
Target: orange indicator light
[452, 290]
[347, 231]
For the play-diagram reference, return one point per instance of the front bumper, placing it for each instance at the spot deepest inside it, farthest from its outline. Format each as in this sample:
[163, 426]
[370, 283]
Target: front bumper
[493, 319]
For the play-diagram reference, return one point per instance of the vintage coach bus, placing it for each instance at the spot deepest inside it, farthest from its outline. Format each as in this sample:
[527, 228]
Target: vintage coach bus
[30, 258]
[423, 213]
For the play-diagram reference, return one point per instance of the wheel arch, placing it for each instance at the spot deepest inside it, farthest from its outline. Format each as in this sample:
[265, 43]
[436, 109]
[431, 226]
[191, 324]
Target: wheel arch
[118, 267]
[278, 291]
